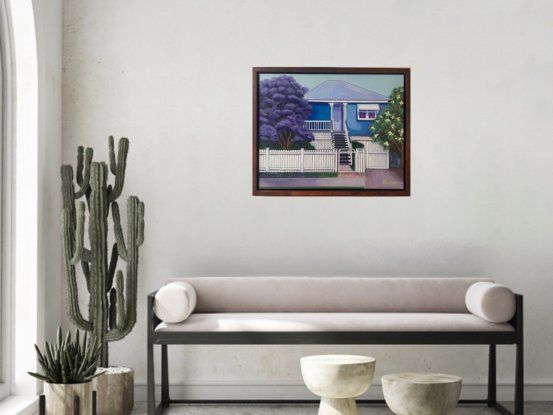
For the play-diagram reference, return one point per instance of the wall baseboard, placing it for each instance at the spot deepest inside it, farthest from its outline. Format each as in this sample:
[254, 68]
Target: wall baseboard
[533, 391]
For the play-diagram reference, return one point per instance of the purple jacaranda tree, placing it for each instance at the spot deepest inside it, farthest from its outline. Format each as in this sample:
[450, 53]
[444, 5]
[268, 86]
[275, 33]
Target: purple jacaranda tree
[283, 111]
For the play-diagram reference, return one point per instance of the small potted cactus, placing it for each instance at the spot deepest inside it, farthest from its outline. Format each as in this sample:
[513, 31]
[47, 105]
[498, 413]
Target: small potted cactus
[69, 368]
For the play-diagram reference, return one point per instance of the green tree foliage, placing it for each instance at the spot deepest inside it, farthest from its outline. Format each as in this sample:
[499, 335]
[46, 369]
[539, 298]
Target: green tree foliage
[388, 128]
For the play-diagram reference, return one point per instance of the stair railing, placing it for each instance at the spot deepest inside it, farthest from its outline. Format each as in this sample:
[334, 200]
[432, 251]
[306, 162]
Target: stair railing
[348, 139]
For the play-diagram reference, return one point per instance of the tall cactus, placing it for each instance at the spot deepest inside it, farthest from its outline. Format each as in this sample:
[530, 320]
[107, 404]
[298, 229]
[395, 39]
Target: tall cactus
[111, 310]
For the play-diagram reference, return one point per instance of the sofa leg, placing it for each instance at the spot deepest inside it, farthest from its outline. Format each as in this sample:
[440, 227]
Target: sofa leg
[519, 379]
[164, 374]
[492, 376]
[151, 380]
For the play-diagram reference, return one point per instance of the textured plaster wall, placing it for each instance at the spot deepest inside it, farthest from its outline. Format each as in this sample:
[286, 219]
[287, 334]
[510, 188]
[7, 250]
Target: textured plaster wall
[175, 77]
[49, 25]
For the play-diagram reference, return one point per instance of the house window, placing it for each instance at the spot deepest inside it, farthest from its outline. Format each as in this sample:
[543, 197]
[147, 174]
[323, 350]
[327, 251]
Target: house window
[367, 112]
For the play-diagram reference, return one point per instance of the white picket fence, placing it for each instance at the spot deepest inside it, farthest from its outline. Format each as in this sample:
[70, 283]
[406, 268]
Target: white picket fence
[377, 160]
[298, 160]
[304, 161]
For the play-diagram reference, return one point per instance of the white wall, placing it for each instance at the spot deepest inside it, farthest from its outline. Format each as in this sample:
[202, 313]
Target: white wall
[49, 29]
[175, 77]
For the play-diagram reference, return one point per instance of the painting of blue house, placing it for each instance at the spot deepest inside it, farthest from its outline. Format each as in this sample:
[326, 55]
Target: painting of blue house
[342, 115]
[348, 108]
[330, 131]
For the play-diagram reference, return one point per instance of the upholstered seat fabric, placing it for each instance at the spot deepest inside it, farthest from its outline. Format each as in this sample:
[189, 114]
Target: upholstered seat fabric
[303, 322]
[329, 294]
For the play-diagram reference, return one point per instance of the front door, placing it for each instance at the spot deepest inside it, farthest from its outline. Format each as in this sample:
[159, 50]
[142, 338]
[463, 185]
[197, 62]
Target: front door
[337, 117]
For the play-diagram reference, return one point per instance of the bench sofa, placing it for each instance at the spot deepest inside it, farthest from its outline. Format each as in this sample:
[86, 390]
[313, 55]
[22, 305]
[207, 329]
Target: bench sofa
[335, 310]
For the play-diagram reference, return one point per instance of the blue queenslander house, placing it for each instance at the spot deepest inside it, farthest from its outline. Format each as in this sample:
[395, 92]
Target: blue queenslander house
[342, 114]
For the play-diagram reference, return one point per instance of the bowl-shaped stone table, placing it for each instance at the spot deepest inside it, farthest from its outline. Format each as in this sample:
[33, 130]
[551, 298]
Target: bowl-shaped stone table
[338, 379]
[421, 393]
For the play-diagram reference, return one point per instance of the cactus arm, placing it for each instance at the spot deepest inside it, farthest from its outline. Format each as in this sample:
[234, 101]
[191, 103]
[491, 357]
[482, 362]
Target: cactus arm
[120, 169]
[133, 219]
[68, 229]
[80, 159]
[68, 192]
[86, 255]
[88, 197]
[112, 266]
[121, 315]
[112, 164]
[121, 248]
[84, 180]
[134, 216]
[79, 242]
[92, 301]
[81, 253]
[71, 290]
[113, 309]
[86, 273]
[130, 311]
[98, 233]
[140, 238]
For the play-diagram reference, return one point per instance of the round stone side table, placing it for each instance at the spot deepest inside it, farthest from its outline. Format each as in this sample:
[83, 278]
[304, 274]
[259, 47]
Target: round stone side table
[421, 393]
[338, 379]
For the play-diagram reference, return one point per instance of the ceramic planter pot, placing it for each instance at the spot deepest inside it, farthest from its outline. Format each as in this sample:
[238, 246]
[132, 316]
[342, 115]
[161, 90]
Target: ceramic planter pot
[60, 398]
[114, 393]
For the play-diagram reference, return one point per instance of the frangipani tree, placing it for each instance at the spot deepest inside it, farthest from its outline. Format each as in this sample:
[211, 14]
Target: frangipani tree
[388, 128]
[283, 111]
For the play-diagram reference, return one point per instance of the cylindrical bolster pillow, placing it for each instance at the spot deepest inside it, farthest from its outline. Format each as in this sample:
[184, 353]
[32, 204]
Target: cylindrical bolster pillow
[492, 302]
[175, 302]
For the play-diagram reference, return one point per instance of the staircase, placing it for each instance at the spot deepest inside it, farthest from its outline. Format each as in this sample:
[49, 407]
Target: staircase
[340, 142]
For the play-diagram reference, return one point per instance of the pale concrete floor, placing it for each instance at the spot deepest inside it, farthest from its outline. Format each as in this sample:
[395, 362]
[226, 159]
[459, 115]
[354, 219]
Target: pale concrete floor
[531, 408]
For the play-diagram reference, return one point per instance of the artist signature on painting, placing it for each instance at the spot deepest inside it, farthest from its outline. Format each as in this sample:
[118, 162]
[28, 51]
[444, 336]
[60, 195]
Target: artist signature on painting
[389, 181]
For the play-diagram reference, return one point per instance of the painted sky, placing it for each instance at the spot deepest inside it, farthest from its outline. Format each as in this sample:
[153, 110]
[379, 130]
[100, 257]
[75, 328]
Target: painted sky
[382, 84]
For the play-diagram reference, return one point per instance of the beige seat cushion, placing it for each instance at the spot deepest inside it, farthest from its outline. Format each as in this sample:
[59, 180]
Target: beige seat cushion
[290, 322]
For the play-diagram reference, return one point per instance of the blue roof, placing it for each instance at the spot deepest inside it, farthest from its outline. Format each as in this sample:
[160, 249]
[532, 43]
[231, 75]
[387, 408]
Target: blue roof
[342, 91]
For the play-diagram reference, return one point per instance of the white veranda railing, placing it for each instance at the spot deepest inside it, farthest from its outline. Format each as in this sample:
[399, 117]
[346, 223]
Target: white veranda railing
[320, 125]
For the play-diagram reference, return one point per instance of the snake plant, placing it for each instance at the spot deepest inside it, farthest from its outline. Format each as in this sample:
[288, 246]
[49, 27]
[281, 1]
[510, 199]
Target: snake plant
[67, 361]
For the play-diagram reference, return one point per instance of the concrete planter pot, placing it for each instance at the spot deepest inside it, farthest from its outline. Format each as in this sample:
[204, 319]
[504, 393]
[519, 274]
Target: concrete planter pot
[60, 398]
[114, 393]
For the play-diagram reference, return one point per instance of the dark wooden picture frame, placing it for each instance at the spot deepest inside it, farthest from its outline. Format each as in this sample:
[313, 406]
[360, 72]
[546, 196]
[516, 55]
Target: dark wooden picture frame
[341, 89]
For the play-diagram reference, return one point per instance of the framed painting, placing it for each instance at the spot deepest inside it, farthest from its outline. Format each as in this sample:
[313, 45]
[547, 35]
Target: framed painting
[331, 132]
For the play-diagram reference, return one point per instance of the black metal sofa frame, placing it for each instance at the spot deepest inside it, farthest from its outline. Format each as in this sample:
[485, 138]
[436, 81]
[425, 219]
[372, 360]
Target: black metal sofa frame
[492, 339]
